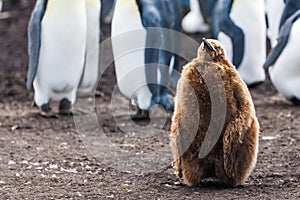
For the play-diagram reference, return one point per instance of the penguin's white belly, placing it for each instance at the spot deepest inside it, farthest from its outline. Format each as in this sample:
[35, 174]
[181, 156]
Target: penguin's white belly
[63, 42]
[128, 43]
[193, 21]
[285, 73]
[250, 17]
[1, 4]
[91, 68]
[226, 41]
[274, 11]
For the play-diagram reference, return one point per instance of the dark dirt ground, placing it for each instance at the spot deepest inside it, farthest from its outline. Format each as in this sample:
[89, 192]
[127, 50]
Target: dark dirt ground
[43, 158]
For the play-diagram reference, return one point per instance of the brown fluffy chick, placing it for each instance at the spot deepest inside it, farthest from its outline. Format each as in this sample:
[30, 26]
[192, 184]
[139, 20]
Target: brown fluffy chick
[231, 152]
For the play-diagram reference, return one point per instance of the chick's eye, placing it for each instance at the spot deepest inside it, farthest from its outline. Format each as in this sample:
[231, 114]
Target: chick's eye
[218, 49]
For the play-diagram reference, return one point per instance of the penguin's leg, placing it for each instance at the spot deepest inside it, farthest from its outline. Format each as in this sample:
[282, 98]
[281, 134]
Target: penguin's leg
[165, 56]
[164, 98]
[151, 70]
[41, 99]
[175, 74]
[45, 109]
[295, 101]
[152, 62]
[65, 107]
[176, 47]
[141, 115]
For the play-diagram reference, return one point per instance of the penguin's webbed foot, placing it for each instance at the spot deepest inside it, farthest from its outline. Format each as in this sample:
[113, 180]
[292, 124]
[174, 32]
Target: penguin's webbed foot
[46, 111]
[167, 101]
[295, 101]
[211, 181]
[99, 94]
[65, 107]
[254, 84]
[141, 115]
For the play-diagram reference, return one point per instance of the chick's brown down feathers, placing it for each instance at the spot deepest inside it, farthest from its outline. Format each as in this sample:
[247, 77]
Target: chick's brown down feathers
[233, 155]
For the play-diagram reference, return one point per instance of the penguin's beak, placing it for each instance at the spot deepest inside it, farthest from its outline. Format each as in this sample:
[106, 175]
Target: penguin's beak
[207, 44]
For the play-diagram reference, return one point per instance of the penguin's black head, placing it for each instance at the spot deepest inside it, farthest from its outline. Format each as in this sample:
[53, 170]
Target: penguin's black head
[211, 48]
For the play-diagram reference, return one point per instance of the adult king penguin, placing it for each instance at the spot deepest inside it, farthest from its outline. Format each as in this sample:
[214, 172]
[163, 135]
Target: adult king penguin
[283, 62]
[91, 67]
[240, 26]
[57, 35]
[137, 66]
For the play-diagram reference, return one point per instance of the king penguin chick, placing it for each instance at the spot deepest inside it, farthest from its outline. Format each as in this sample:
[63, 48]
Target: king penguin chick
[233, 155]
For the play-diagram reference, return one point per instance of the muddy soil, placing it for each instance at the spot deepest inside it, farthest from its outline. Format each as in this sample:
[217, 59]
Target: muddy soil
[54, 158]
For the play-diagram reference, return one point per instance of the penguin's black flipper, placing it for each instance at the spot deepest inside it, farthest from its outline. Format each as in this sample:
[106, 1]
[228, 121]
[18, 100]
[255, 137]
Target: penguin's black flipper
[185, 7]
[34, 39]
[157, 18]
[295, 101]
[282, 40]
[291, 6]
[206, 7]
[151, 18]
[107, 9]
[221, 21]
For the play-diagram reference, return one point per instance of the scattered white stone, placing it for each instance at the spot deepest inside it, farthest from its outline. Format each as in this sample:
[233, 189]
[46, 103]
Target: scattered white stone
[15, 127]
[24, 162]
[79, 194]
[43, 175]
[18, 175]
[88, 167]
[39, 168]
[54, 176]
[93, 173]
[2, 182]
[45, 163]
[11, 162]
[270, 137]
[29, 167]
[53, 166]
[68, 170]
[36, 164]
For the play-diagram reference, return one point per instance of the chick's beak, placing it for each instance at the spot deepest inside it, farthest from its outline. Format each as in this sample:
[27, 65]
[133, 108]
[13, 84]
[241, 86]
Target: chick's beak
[207, 44]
